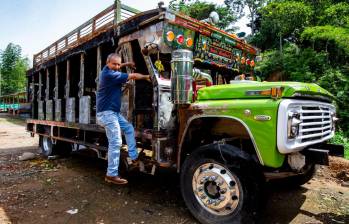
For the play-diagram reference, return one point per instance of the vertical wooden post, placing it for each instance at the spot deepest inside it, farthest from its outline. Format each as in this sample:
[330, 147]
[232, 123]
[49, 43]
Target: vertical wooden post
[56, 82]
[47, 90]
[93, 26]
[82, 75]
[117, 12]
[67, 83]
[99, 65]
[56, 48]
[40, 87]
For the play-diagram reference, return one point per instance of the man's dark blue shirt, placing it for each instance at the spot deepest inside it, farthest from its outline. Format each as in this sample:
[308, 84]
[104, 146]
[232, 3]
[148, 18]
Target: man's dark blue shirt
[109, 91]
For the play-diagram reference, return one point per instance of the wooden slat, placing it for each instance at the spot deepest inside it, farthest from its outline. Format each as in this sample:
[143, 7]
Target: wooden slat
[101, 22]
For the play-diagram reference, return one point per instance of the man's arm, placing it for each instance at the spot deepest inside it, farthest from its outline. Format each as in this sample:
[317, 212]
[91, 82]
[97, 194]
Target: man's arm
[129, 64]
[117, 77]
[138, 76]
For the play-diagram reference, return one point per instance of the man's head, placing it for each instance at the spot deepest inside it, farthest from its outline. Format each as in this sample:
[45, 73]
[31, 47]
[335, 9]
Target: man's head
[114, 61]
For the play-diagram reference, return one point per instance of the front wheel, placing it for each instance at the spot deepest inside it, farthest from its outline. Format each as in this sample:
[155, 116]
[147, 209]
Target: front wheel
[300, 179]
[215, 192]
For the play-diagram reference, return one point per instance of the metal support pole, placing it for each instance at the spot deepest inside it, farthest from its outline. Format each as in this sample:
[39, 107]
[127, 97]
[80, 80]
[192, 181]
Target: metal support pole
[117, 14]
[40, 87]
[99, 65]
[82, 75]
[47, 90]
[67, 84]
[56, 83]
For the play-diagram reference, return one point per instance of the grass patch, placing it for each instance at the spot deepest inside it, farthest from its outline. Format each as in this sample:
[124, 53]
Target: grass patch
[9, 119]
[340, 139]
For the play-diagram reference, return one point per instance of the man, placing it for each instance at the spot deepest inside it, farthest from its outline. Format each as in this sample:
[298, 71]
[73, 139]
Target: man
[108, 114]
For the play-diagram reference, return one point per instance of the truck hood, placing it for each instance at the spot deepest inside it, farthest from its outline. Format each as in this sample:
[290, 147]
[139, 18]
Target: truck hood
[251, 89]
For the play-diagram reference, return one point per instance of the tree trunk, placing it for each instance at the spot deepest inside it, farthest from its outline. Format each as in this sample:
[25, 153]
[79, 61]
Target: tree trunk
[280, 43]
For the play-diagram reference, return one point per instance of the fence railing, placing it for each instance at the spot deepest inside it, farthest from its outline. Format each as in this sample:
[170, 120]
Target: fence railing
[93, 27]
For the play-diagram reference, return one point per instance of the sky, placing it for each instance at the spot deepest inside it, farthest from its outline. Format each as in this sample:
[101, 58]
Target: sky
[35, 24]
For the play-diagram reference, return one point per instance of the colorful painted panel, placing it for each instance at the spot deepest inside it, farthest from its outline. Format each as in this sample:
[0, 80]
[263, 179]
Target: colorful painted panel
[179, 37]
[220, 50]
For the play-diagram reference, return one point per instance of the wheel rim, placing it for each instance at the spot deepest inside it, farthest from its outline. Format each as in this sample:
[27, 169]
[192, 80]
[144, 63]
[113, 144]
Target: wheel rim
[45, 144]
[216, 189]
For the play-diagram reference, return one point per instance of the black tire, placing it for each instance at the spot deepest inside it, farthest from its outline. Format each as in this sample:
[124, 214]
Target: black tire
[49, 149]
[296, 181]
[245, 181]
[63, 148]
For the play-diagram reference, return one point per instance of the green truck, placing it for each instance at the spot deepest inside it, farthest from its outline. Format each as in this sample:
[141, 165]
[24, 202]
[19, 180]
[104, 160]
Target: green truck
[203, 114]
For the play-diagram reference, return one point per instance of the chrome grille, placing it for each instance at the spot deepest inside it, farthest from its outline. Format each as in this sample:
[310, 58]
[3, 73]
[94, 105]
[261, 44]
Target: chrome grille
[316, 123]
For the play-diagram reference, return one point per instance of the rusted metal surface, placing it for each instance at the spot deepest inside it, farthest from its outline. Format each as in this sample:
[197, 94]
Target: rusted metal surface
[67, 82]
[184, 114]
[82, 75]
[90, 127]
[49, 110]
[99, 65]
[70, 109]
[85, 109]
[100, 23]
[207, 29]
[145, 134]
[58, 110]
[112, 34]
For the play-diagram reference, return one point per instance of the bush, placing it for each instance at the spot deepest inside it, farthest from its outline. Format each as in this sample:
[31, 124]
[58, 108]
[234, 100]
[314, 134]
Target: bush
[308, 65]
[340, 139]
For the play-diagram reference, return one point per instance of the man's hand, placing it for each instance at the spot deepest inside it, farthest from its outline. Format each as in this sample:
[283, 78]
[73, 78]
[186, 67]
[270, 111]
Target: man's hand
[129, 64]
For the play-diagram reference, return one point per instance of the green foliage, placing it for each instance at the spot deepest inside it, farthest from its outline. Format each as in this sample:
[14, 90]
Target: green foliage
[316, 37]
[237, 6]
[283, 20]
[339, 36]
[201, 10]
[304, 65]
[336, 15]
[13, 68]
[308, 65]
[340, 139]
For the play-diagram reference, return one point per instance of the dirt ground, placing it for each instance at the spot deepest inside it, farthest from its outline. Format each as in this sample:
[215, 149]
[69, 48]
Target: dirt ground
[45, 191]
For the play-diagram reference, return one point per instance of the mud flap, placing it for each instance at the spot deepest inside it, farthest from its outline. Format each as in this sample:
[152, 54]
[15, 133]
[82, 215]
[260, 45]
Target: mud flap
[316, 156]
[319, 153]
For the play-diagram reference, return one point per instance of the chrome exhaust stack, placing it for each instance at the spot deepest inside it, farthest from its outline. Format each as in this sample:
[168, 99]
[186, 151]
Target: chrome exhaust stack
[181, 77]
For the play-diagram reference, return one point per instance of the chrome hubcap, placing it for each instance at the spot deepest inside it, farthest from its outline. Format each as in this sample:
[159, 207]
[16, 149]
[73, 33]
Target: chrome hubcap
[216, 188]
[45, 144]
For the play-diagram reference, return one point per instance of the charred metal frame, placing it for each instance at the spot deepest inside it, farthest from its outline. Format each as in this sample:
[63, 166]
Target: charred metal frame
[48, 68]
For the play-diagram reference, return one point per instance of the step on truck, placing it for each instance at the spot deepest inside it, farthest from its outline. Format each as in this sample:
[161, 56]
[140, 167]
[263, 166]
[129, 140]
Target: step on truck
[202, 114]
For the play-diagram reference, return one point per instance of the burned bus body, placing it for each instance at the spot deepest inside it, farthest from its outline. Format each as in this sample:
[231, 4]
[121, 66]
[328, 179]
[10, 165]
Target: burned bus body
[202, 113]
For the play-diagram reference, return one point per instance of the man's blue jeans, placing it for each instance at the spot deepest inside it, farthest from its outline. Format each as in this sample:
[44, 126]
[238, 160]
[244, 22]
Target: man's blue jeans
[113, 122]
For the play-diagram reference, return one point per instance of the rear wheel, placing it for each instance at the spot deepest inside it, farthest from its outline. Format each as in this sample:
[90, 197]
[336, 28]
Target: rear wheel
[46, 146]
[49, 149]
[216, 192]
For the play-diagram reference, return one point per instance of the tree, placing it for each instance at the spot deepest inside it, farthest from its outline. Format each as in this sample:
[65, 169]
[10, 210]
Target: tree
[200, 10]
[284, 20]
[13, 69]
[331, 39]
[252, 5]
[336, 15]
[313, 36]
